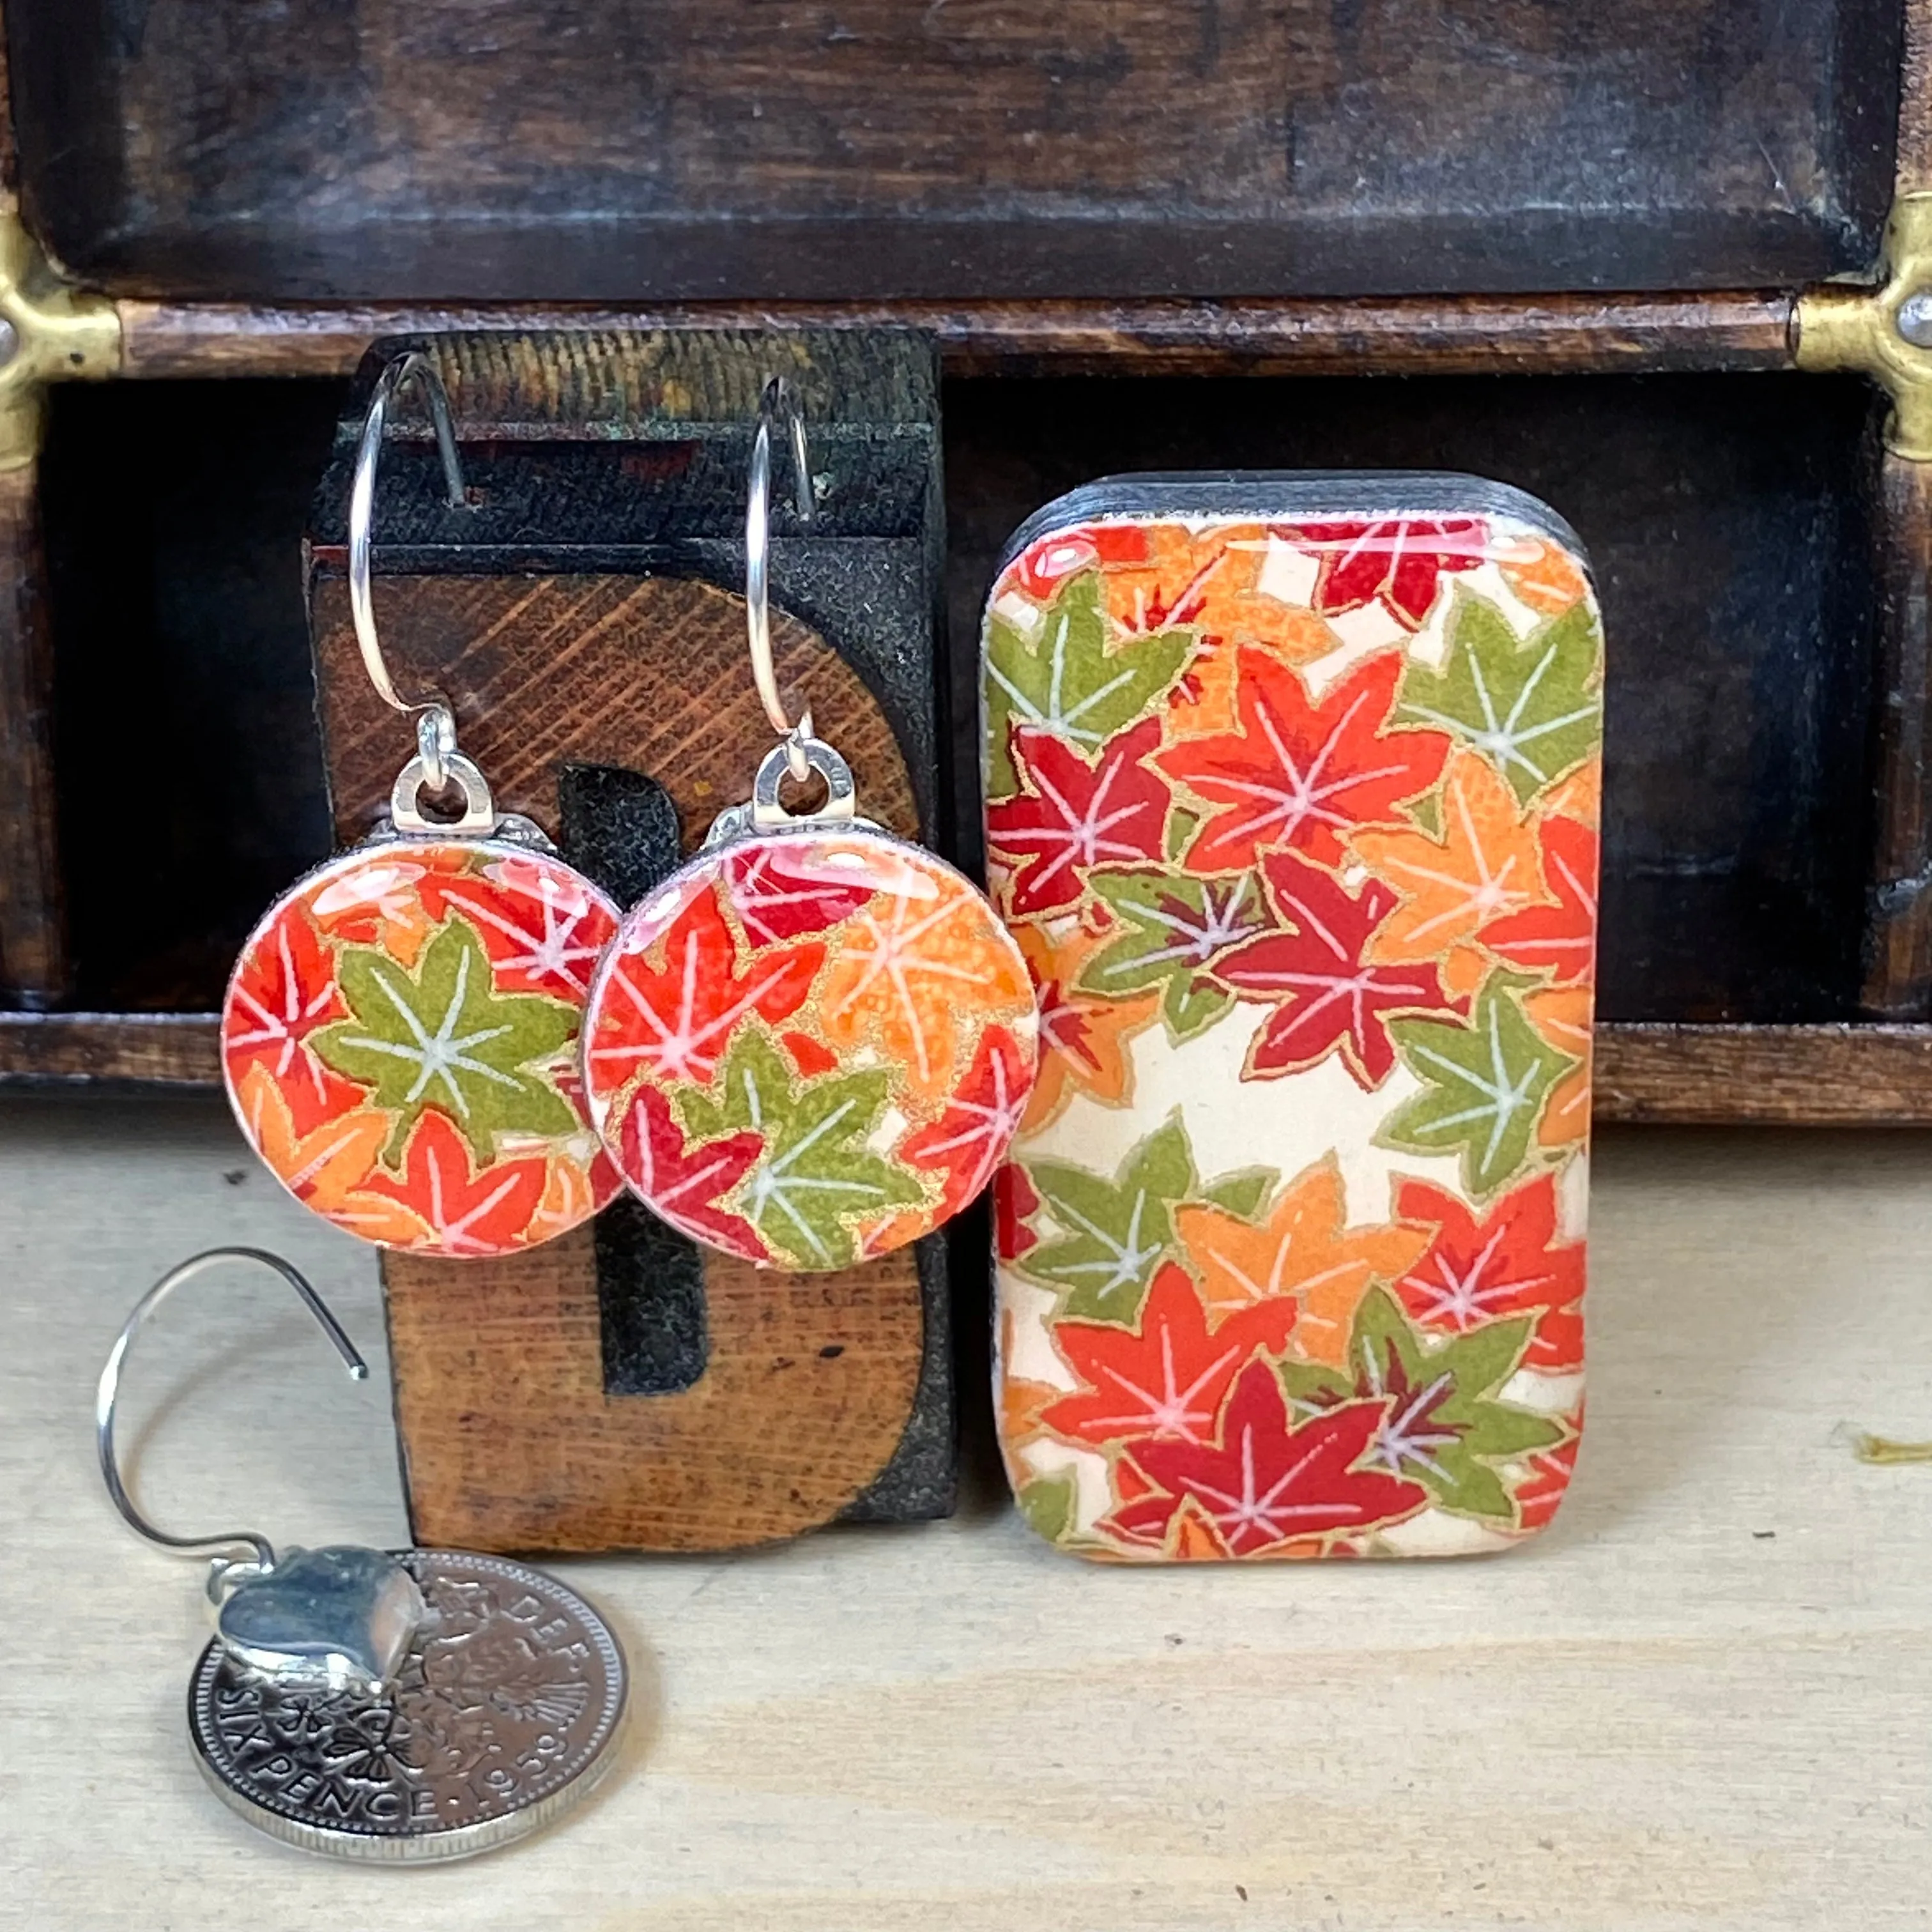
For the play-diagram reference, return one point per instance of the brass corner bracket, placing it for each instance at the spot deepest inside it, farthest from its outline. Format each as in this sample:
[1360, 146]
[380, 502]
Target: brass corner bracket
[49, 332]
[1884, 332]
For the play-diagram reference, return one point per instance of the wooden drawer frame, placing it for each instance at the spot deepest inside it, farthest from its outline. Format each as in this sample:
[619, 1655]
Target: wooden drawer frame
[1875, 1073]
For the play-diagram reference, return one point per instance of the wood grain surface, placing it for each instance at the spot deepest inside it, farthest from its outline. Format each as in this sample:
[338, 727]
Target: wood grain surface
[550, 149]
[1698, 1701]
[1465, 334]
[649, 674]
[512, 1443]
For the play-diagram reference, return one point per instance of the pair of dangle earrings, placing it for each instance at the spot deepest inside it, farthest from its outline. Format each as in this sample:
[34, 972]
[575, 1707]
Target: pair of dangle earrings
[809, 1045]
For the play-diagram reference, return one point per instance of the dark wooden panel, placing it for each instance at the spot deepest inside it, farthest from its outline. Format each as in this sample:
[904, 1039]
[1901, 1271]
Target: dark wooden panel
[1898, 961]
[1843, 1076]
[34, 963]
[158, 1049]
[1420, 335]
[1725, 522]
[599, 150]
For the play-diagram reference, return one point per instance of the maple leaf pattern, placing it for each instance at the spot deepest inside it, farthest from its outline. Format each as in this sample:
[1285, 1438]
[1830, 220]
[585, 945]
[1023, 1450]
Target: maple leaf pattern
[672, 1022]
[1266, 1481]
[325, 1168]
[1485, 867]
[1484, 1085]
[1072, 813]
[1299, 772]
[442, 1038]
[419, 977]
[1113, 1233]
[1166, 1376]
[1172, 929]
[1327, 991]
[1508, 1263]
[1083, 1039]
[1301, 1253]
[544, 929]
[1531, 707]
[1397, 562]
[909, 972]
[283, 993]
[467, 1212]
[815, 1182]
[1560, 940]
[1443, 1423]
[785, 891]
[1380, 744]
[970, 1139]
[1066, 681]
[683, 1184]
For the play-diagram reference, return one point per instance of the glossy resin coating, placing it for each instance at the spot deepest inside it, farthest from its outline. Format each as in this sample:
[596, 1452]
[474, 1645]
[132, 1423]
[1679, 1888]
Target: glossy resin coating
[1295, 817]
[809, 1048]
[399, 1042]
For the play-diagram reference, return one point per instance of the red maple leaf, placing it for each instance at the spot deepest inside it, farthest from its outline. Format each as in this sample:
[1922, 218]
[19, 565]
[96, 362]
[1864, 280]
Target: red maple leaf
[543, 928]
[1329, 994]
[971, 1138]
[1538, 1498]
[1299, 773]
[1049, 563]
[1562, 936]
[471, 1213]
[682, 1185]
[284, 988]
[1263, 1483]
[1509, 1263]
[1014, 1203]
[675, 1021]
[1070, 815]
[782, 891]
[1166, 1379]
[1396, 561]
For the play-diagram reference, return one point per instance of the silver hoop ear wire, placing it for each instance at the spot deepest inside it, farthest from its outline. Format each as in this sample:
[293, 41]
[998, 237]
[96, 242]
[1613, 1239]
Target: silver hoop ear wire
[108, 1393]
[775, 402]
[435, 723]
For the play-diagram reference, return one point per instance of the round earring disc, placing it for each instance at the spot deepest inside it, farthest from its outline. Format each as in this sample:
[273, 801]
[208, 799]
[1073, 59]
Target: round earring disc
[809, 1047]
[399, 1042]
[501, 1716]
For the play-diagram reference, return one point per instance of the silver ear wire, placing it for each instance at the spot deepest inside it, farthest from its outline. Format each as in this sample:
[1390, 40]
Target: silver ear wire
[774, 403]
[108, 1393]
[437, 760]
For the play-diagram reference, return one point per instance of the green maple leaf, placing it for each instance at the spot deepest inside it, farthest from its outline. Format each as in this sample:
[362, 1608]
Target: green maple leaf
[1047, 1503]
[1531, 708]
[1065, 679]
[816, 1169]
[443, 1037]
[1445, 1427]
[1242, 1192]
[1484, 1085]
[1117, 1232]
[1175, 926]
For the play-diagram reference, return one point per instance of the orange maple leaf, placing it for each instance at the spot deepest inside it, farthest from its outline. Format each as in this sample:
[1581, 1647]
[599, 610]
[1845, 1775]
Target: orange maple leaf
[1578, 796]
[1543, 574]
[379, 902]
[1561, 1014]
[1485, 865]
[325, 1169]
[913, 973]
[1083, 1040]
[1208, 581]
[1303, 1248]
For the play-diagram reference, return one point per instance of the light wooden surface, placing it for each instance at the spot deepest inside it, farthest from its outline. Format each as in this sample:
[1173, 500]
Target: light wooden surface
[1703, 1698]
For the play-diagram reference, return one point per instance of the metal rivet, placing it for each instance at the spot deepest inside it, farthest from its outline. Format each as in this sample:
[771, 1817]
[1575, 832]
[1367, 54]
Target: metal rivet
[1914, 320]
[10, 341]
